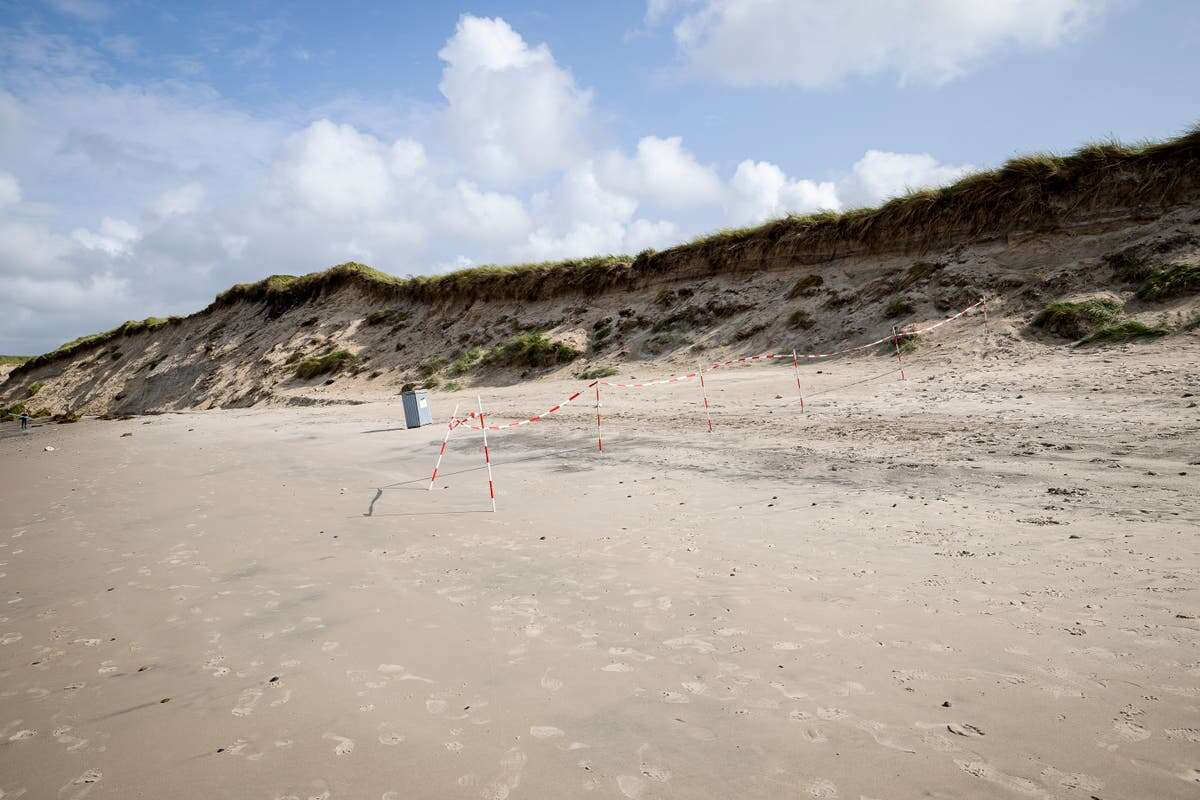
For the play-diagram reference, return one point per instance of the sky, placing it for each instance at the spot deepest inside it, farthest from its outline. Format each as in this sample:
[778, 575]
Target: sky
[153, 154]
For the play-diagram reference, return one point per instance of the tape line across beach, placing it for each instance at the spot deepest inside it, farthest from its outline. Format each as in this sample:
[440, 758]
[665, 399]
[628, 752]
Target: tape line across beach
[471, 420]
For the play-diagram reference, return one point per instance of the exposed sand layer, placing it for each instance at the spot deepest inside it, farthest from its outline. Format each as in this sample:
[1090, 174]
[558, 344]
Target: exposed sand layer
[246, 354]
[983, 581]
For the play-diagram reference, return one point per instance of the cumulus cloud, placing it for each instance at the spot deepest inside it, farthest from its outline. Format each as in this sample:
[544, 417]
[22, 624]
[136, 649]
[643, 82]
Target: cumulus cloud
[179, 201]
[116, 237]
[663, 171]
[514, 109]
[880, 175]
[760, 190]
[815, 43]
[150, 198]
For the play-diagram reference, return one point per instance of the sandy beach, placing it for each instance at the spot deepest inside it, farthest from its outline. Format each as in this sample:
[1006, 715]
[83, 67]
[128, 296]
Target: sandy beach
[982, 581]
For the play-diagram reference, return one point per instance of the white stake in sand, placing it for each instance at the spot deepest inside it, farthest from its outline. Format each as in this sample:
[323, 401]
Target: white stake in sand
[487, 454]
[796, 369]
[704, 394]
[442, 452]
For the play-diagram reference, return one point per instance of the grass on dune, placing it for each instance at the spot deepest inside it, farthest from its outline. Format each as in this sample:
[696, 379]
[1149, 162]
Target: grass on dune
[1031, 192]
[1072, 320]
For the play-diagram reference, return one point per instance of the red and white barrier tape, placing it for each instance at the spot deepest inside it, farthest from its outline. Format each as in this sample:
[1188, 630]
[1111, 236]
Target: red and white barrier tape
[470, 419]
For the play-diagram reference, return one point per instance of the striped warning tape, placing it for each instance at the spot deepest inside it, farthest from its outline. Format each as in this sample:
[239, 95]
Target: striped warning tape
[471, 419]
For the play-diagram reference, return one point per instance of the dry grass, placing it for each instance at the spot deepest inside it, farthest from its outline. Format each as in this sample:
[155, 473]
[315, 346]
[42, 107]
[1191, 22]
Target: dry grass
[1033, 192]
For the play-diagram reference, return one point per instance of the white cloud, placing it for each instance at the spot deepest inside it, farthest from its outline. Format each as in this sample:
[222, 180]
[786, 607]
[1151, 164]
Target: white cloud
[88, 10]
[880, 175]
[10, 189]
[817, 43]
[760, 190]
[483, 216]
[116, 237]
[664, 172]
[335, 170]
[179, 201]
[515, 111]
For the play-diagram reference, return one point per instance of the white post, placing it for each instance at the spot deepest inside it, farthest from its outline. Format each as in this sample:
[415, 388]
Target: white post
[487, 454]
[442, 452]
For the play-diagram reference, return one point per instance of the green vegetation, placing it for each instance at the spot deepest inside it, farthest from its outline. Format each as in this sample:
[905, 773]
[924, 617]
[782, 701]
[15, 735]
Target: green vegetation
[322, 365]
[1172, 280]
[898, 307]
[806, 287]
[1072, 320]
[13, 360]
[908, 344]
[800, 319]
[452, 386]
[1124, 331]
[533, 349]
[33, 389]
[75, 346]
[465, 361]
[429, 367]
[1027, 192]
[8, 413]
[66, 418]
[592, 373]
[386, 316]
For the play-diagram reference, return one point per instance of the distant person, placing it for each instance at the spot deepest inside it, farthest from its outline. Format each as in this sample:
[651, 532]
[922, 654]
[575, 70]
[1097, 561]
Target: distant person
[24, 422]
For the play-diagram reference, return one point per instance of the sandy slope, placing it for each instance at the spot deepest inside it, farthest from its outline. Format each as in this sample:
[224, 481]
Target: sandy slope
[979, 582]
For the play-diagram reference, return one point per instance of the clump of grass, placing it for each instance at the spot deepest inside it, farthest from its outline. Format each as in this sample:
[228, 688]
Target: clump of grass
[430, 367]
[465, 361]
[838, 299]
[386, 316]
[322, 365]
[592, 373]
[8, 413]
[532, 349]
[898, 307]
[806, 286]
[452, 386]
[918, 272]
[601, 330]
[66, 418]
[1075, 319]
[800, 319]
[1169, 281]
[908, 344]
[33, 389]
[1124, 331]
[13, 360]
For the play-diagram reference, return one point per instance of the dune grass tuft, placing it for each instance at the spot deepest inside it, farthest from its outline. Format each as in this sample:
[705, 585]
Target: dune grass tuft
[592, 373]
[800, 319]
[1072, 320]
[1172, 280]
[1124, 331]
[323, 365]
[898, 307]
[532, 349]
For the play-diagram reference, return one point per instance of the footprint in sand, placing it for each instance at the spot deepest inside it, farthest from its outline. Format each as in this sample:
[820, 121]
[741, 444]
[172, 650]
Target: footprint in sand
[247, 701]
[1127, 732]
[508, 778]
[616, 666]
[550, 684]
[545, 732]
[344, 745]
[390, 738]
[25, 734]
[823, 789]
[987, 772]
[435, 705]
[453, 747]
[830, 714]
[329, 647]
[9, 638]
[814, 735]
[631, 786]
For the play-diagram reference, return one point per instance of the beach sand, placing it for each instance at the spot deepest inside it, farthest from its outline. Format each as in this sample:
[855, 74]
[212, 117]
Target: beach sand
[982, 581]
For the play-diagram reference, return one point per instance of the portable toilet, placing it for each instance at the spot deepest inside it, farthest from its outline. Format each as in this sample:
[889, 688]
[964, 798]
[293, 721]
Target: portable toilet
[416, 408]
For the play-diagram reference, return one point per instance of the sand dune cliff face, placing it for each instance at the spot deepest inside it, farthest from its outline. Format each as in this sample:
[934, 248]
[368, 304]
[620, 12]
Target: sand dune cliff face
[247, 353]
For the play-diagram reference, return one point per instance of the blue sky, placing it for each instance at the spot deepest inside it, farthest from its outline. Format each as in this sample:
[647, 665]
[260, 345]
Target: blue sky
[152, 154]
